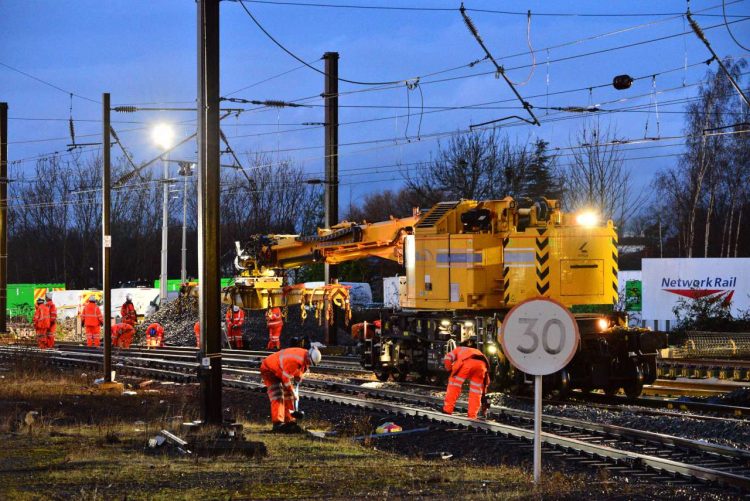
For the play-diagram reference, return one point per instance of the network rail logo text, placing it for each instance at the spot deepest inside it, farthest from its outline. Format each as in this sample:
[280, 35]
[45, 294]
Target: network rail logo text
[719, 288]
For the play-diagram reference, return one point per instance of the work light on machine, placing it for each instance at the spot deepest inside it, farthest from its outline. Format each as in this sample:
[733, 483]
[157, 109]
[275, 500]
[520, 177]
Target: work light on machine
[602, 324]
[491, 348]
[587, 218]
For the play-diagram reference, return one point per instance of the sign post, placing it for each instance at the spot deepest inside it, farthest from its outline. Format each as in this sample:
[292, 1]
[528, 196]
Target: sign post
[539, 336]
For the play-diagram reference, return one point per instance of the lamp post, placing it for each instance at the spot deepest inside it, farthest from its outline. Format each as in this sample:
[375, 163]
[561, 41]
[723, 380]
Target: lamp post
[186, 169]
[163, 136]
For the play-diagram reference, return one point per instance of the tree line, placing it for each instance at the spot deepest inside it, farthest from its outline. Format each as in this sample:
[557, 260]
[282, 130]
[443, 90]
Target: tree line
[696, 208]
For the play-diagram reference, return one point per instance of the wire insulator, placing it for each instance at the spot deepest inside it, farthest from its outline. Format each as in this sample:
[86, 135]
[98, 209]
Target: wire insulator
[125, 109]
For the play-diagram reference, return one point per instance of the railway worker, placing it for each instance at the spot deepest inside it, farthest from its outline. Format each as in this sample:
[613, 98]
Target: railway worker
[127, 311]
[235, 320]
[281, 372]
[122, 335]
[275, 323]
[92, 321]
[155, 336]
[197, 330]
[52, 320]
[464, 363]
[41, 323]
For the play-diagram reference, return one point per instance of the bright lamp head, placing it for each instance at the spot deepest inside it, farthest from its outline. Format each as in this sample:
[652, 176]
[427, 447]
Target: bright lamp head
[588, 219]
[602, 324]
[163, 136]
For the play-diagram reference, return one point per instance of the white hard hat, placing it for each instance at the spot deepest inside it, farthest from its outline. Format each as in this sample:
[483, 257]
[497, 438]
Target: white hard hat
[314, 355]
[48, 296]
[129, 297]
[235, 308]
[92, 299]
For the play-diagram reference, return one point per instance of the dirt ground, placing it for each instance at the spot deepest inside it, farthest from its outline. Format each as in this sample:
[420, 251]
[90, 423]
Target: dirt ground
[62, 440]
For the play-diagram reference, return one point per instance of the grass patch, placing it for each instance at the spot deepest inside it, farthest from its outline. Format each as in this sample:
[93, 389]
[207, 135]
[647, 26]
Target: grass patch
[87, 446]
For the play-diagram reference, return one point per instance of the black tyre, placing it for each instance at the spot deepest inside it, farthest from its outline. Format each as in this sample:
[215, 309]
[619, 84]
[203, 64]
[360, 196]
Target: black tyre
[633, 390]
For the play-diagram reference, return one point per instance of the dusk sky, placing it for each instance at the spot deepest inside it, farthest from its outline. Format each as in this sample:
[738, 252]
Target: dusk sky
[144, 53]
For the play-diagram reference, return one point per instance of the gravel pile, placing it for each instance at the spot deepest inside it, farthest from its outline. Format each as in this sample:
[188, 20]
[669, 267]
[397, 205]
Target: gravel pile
[179, 316]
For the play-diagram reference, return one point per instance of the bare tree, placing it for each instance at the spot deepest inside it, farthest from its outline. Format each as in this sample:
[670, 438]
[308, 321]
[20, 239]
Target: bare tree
[597, 177]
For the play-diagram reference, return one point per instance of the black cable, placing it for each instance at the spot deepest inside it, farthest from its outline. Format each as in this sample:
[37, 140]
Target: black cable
[449, 9]
[724, 12]
[292, 54]
[49, 84]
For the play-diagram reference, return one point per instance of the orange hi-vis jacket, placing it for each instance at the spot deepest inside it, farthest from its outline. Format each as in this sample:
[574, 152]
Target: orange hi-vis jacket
[52, 316]
[91, 318]
[128, 314]
[273, 317]
[154, 335]
[41, 319]
[122, 335]
[288, 365]
[235, 320]
[455, 358]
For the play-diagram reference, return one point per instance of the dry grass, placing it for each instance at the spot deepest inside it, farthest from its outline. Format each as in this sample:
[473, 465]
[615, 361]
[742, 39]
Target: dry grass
[91, 447]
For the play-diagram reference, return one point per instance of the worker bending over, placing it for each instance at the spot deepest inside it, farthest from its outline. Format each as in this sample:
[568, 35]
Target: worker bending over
[282, 372]
[465, 363]
[41, 323]
[52, 321]
[128, 314]
[235, 320]
[92, 321]
[155, 336]
[122, 335]
[275, 324]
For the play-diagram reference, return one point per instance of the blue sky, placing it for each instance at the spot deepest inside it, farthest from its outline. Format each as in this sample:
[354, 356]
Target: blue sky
[145, 52]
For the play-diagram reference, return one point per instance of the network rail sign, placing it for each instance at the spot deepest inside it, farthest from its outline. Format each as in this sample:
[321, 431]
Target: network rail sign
[666, 281]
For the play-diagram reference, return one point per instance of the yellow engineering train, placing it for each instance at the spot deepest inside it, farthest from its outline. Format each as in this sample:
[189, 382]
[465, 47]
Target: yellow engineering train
[467, 263]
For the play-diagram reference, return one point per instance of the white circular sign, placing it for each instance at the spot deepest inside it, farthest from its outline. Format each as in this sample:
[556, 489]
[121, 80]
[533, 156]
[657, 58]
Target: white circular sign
[539, 336]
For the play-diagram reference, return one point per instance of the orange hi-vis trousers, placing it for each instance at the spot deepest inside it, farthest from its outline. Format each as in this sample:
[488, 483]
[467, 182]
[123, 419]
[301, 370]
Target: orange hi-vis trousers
[282, 399]
[476, 372]
[274, 336]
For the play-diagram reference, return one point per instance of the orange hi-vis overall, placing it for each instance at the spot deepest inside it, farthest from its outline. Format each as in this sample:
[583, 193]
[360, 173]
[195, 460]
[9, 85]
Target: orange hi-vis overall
[280, 371]
[128, 314]
[275, 324]
[197, 330]
[92, 321]
[235, 320]
[41, 325]
[122, 335]
[52, 324]
[466, 363]
[155, 336]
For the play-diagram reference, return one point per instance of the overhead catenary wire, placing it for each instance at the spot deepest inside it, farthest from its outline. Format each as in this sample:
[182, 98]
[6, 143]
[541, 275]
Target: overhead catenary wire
[726, 23]
[453, 9]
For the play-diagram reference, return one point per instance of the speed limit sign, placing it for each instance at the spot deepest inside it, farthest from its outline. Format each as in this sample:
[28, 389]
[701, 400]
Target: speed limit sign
[539, 336]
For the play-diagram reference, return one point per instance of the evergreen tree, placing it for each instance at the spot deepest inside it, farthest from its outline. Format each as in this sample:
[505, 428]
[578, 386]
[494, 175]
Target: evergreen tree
[539, 178]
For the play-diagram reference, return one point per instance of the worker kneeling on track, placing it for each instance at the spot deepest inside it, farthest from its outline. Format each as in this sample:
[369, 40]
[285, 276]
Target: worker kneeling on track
[155, 336]
[466, 362]
[122, 335]
[282, 372]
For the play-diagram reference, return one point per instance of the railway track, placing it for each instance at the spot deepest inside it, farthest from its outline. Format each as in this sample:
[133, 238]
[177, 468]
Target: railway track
[343, 365]
[622, 451]
[704, 368]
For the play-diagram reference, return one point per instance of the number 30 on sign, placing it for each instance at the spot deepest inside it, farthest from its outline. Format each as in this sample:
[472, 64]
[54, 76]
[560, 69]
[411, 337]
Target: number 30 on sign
[539, 336]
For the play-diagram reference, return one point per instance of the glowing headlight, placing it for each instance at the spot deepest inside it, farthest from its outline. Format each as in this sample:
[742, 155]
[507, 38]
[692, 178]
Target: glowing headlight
[468, 323]
[445, 323]
[602, 324]
[491, 349]
[587, 218]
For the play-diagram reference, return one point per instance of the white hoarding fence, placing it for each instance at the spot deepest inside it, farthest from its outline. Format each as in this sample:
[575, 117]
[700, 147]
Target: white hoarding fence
[667, 281]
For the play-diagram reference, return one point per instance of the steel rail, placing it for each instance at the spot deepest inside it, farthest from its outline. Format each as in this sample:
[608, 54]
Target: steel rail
[630, 459]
